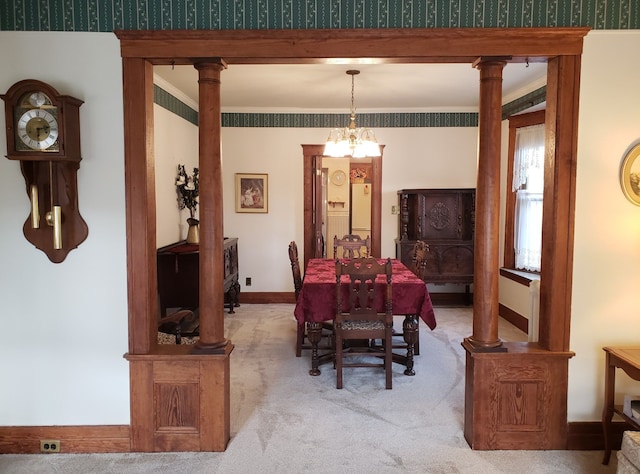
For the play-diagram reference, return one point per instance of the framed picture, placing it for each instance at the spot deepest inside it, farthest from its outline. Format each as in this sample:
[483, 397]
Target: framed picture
[630, 175]
[252, 192]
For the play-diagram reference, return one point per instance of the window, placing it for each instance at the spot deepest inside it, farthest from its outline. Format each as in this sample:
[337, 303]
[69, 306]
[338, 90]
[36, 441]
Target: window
[523, 231]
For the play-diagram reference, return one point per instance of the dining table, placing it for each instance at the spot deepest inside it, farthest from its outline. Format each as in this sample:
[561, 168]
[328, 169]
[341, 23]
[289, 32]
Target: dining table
[316, 304]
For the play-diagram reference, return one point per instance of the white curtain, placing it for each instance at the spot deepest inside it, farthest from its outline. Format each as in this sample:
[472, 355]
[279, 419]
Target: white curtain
[528, 182]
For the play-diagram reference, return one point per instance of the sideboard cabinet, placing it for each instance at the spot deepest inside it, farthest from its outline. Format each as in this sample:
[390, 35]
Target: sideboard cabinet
[445, 220]
[179, 275]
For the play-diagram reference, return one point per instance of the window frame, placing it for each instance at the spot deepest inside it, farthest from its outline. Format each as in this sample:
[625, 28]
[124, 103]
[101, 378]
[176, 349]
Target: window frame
[515, 122]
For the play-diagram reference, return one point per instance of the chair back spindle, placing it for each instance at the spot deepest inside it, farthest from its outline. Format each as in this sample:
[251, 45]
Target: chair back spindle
[352, 246]
[295, 268]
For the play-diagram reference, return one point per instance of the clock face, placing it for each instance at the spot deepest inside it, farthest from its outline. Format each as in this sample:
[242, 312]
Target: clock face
[38, 129]
[338, 177]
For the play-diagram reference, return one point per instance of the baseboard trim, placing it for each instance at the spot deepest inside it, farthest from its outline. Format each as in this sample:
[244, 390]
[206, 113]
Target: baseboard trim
[587, 435]
[267, 297]
[451, 299]
[73, 439]
[581, 436]
[514, 318]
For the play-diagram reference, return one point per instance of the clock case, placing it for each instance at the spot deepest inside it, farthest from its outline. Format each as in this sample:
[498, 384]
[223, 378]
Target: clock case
[53, 173]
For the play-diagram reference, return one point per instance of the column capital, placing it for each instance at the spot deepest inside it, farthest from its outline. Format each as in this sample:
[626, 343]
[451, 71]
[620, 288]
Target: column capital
[210, 63]
[491, 61]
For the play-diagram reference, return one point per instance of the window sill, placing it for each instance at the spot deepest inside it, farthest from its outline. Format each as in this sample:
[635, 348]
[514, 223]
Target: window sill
[519, 276]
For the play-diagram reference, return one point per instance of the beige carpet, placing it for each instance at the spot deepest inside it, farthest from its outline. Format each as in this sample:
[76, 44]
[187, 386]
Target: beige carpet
[285, 421]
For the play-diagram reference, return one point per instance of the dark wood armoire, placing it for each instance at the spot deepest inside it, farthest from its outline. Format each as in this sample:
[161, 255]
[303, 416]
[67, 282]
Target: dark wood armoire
[444, 219]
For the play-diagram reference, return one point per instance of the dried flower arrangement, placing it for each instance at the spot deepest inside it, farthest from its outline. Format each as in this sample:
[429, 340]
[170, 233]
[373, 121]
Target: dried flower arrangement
[187, 188]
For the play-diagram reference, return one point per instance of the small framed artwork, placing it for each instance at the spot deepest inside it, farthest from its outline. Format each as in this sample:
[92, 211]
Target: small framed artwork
[630, 175]
[252, 192]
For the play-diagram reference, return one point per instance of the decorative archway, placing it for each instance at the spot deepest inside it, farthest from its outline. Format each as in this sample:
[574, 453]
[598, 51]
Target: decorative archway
[140, 50]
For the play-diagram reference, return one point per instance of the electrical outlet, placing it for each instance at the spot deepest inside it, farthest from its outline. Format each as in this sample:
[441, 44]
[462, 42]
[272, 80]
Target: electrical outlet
[395, 210]
[49, 445]
[247, 281]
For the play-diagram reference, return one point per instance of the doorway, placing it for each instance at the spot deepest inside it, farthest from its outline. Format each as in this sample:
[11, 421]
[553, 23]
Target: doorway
[314, 205]
[346, 201]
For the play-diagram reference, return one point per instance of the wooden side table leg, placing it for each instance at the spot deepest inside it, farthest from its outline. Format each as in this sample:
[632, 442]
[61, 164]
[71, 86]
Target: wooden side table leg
[410, 332]
[314, 334]
[232, 296]
[607, 411]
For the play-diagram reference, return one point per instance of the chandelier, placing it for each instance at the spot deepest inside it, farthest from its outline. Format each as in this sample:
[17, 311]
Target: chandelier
[352, 141]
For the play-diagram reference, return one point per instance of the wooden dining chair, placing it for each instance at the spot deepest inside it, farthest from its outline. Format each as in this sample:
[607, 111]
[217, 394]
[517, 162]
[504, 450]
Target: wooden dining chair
[183, 323]
[419, 265]
[363, 320]
[297, 286]
[419, 259]
[301, 333]
[295, 268]
[352, 245]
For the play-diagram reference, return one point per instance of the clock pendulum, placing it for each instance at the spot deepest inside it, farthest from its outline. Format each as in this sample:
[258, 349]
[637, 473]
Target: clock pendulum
[54, 216]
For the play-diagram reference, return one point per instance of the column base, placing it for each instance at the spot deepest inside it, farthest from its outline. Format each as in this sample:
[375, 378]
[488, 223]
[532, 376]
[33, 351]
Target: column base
[180, 401]
[516, 399]
[473, 345]
[214, 348]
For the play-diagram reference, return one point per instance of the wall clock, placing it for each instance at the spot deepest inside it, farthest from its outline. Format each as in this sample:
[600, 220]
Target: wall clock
[338, 177]
[43, 134]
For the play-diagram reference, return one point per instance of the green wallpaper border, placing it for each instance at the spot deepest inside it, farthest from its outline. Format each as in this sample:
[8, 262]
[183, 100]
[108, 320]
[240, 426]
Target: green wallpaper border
[383, 120]
[525, 102]
[167, 101]
[261, 120]
[109, 15]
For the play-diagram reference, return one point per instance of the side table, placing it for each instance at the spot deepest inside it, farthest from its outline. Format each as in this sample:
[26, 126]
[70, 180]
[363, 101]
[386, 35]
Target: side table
[627, 359]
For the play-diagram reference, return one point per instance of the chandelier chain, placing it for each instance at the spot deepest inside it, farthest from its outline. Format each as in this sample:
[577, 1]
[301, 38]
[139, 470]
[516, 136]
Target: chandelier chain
[353, 100]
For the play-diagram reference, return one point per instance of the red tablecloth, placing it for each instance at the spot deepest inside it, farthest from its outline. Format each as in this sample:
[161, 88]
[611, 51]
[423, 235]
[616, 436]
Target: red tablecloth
[316, 301]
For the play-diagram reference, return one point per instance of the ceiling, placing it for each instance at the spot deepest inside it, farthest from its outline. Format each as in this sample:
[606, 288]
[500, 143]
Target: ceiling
[378, 87]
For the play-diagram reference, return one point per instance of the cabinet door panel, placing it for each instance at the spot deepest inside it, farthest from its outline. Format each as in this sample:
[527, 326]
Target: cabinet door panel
[449, 263]
[441, 217]
[456, 260]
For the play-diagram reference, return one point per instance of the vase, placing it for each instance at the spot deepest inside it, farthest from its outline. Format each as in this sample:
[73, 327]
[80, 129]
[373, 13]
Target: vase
[193, 234]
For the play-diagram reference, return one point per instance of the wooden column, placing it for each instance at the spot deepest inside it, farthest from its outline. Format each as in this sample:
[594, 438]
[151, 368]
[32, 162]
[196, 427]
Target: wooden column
[212, 339]
[561, 119]
[486, 258]
[140, 182]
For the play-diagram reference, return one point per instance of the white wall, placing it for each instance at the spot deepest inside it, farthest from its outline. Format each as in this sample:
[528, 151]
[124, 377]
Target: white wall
[176, 142]
[607, 226]
[445, 157]
[66, 324]
[515, 296]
